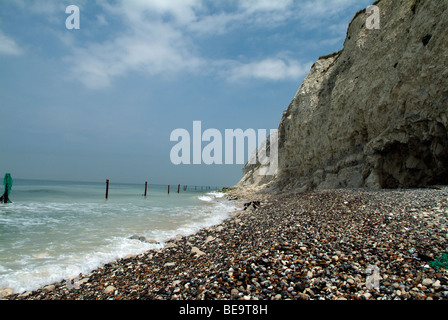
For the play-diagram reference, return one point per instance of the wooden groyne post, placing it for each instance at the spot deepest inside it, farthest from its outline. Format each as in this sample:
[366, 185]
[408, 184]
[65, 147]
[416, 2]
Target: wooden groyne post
[178, 188]
[5, 195]
[107, 189]
[146, 187]
[168, 189]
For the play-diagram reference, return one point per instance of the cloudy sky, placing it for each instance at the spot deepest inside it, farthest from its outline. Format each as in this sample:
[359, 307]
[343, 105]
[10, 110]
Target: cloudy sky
[101, 101]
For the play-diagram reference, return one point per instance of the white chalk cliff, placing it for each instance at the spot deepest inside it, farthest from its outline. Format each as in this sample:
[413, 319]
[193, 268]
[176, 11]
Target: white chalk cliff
[374, 114]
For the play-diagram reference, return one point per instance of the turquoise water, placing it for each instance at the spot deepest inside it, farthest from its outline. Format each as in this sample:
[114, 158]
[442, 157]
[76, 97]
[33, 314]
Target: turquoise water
[55, 230]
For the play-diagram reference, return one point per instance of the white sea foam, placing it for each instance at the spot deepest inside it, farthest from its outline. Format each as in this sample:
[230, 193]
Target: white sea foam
[216, 194]
[54, 239]
[205, 198]
[210, 196]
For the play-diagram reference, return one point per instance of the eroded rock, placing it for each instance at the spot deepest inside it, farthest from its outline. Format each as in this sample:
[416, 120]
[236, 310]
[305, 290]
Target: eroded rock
[375, 113]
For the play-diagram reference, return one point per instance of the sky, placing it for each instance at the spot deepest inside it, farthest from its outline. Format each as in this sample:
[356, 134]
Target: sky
[100, 102]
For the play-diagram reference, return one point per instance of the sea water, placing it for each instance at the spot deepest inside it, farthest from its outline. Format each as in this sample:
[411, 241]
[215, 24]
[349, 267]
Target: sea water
[55, 230]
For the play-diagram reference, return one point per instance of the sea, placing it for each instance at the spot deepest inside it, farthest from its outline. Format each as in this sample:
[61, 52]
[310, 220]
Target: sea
[56, 230]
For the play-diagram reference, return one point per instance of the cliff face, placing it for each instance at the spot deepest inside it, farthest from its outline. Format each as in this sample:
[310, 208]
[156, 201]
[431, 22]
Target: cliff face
[375, 114]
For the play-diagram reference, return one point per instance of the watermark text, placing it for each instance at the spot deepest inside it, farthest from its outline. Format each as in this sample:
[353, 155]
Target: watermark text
[73, 20]
[189, 149]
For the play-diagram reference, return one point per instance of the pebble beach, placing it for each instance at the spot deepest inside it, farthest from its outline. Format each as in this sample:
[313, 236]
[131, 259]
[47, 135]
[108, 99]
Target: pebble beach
[319, 245]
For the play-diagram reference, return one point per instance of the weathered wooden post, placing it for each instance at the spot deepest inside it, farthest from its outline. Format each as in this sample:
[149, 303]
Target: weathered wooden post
[146, 187]
[168, 189]
[178, 188]
[107, 189]
[5, 195]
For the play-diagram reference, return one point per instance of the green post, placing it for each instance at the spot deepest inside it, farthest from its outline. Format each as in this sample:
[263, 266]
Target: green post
[7, 181]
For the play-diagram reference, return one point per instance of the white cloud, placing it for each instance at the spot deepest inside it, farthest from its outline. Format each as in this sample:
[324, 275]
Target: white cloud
[158, 38]
[149, 44]
[181, 11]
[154, 50]
[8, 46]
[216, 24]
[101, 20]
[269, 69]
[265, 5]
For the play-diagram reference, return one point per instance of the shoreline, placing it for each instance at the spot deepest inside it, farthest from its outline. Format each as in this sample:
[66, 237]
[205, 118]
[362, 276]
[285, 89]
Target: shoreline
[316, 245]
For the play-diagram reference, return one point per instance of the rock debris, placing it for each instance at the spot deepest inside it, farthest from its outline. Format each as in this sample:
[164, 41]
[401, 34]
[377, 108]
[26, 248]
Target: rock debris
[319, 245]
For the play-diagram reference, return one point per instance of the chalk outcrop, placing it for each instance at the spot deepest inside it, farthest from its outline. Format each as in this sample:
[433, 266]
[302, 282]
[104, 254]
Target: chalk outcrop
[374, 114]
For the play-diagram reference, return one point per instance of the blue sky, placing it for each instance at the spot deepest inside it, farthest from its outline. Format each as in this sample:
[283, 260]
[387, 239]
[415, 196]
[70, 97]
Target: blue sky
[100, 102]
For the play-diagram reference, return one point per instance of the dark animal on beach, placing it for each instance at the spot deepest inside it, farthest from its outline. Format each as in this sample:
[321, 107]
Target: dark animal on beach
[424, 257]
[255, 204]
